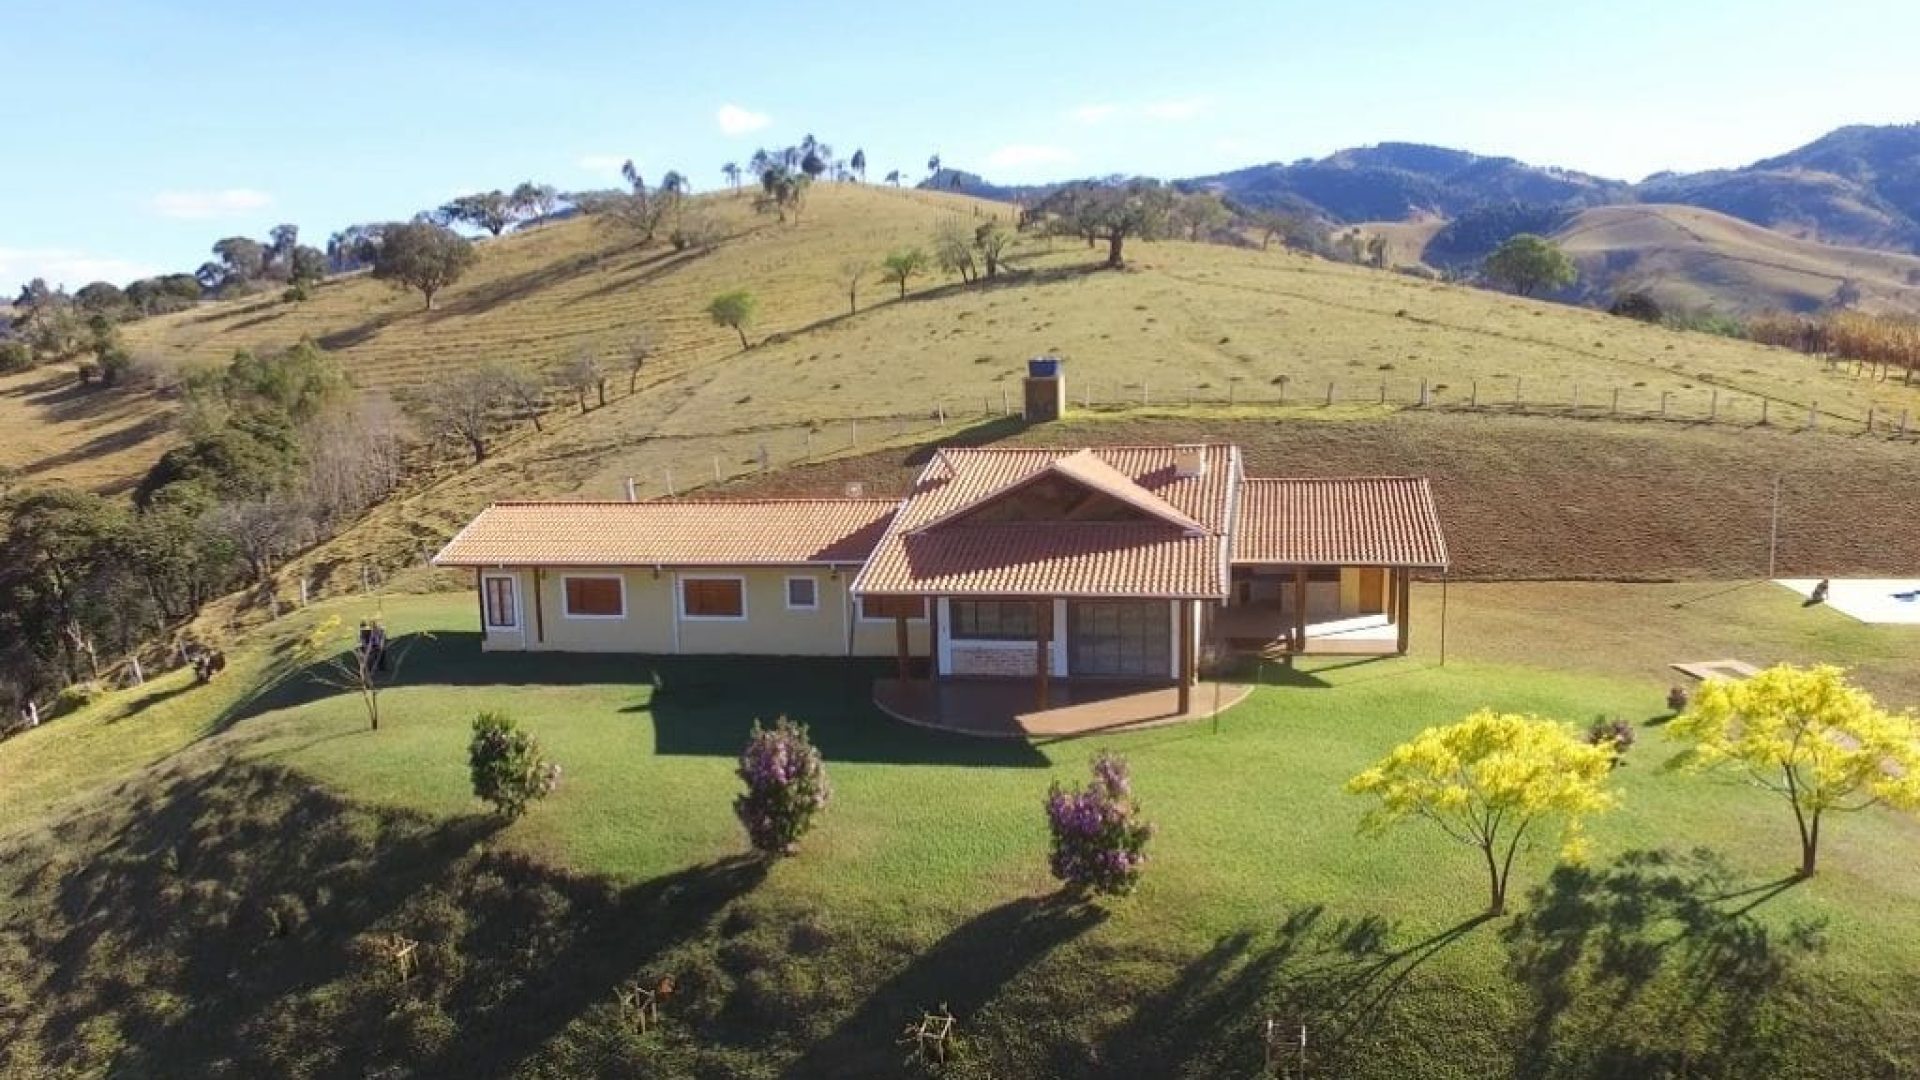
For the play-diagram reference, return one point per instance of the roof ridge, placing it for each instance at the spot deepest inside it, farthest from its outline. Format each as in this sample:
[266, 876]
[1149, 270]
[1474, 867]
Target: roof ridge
[704, 501]
[1344, 479]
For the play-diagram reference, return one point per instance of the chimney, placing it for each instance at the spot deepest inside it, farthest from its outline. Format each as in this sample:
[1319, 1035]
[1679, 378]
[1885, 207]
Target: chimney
[1189, 461]
[1045, 390]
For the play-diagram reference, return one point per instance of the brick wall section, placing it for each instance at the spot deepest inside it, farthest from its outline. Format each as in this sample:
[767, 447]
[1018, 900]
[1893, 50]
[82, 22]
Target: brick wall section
[1012, 660]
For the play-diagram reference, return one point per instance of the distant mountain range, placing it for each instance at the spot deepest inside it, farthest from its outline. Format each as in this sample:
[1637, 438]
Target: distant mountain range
[1858, 186]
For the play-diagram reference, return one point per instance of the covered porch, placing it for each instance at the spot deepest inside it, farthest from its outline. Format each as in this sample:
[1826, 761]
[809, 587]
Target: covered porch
[1282, 610]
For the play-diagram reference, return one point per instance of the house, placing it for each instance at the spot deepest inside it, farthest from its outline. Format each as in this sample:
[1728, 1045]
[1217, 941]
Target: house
[1052, 567]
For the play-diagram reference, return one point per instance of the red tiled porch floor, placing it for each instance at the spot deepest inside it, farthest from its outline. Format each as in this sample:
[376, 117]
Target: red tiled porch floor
[1008, 709]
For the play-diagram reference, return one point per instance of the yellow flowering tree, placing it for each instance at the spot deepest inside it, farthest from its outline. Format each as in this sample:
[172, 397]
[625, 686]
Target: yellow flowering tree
[1808, 736]
[1487, 781]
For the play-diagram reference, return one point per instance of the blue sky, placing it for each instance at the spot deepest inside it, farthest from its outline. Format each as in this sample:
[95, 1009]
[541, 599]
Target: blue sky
[139, 132]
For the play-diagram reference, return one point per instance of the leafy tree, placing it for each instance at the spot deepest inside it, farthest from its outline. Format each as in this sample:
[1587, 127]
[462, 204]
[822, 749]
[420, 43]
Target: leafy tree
[953, 249]
[101, 298]
[731, 170]
[522, 388]
[14, 356]
[893, 177]
[1809, 737]
[1639, 306]
[851, 271]
[1527, 263]
[1113, 212]
[733, 309]
[783, 190]
[993, 240]
[1489, 780]
[933, 166]
[242, 261]
[694, 228]
[673, 183]
[1099, 839]
[506, 765]
[1198, 215]
[786, 786]
[535, 202]
[900, 266]
[423, 256]
[494, 211]
[307, 266]
[859, 164]
[168, 292]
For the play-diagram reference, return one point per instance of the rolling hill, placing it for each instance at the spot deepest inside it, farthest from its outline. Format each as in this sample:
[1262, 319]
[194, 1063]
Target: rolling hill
[1692, 258]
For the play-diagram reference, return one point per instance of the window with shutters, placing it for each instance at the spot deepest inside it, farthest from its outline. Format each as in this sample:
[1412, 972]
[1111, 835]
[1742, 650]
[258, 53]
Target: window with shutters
[713, 598]
[594, 597]
[498, 599]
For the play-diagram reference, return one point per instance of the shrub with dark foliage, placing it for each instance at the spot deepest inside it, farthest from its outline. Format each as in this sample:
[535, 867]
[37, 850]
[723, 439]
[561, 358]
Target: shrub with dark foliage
[507, 767]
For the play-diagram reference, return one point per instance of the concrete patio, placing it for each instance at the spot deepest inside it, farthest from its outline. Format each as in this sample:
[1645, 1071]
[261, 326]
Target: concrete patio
[1010, 709]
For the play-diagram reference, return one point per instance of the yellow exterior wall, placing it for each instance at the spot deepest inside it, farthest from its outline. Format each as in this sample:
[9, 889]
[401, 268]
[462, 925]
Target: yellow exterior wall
[1349, 590]
[652, 623]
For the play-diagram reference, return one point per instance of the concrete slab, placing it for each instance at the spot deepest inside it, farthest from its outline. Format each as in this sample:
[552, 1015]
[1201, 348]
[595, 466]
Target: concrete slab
[1870, 600]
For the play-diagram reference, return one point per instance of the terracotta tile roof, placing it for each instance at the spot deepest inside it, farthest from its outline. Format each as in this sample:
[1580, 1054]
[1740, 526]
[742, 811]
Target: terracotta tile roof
[692, 532]
[932, 547]
[1353, 521]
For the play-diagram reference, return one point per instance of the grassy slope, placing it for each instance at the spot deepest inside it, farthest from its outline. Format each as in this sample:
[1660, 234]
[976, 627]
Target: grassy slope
[1694, 258]
[1261, 898]
[1188, 319]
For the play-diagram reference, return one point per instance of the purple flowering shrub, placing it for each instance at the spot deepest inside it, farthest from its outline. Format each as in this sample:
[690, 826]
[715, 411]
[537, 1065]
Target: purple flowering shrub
[786, 786]
[506, 765]
[1098, 837]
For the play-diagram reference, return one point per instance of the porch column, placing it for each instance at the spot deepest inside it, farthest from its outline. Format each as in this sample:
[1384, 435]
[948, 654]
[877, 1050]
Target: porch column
[900, 645]
[1042, 647]
[1186, 655]
[1300, 609]
[1402, 592]
[933, 638]
[539, 609]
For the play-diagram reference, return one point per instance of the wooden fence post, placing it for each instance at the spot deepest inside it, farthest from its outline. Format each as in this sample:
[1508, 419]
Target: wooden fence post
[1519, 400]
[1870, 411]
[140, 677]
[716, 468]
[809, 444]
[1713, 408]
[1616, 401]
[33, 714]
[1576, 399]
[1813, 415]
[1329, 393]
[1424, 399]
[763, 456]
[1146, 394]
[1664, 394]
[1473, 395]
[853, 439]
[670, 492]
[1764, 403]
[631, 495]
[1903, 421]
[1383, 391]
[1005, 409]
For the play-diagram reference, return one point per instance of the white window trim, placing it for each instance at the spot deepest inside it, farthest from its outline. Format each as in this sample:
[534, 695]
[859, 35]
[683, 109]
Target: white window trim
[566, 609]
[680, 597]
[787, 592]
[860, 603]
[513, 580]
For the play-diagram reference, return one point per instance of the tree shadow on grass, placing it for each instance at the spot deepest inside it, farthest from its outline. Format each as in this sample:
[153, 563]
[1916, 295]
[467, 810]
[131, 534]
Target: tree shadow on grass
[236, 921]
[1654, 965]
[964, 971]
[700, 706]
[1337, 977]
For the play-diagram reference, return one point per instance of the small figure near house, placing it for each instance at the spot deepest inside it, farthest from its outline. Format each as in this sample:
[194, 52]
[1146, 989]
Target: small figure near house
[1819, 595]
[377, 646]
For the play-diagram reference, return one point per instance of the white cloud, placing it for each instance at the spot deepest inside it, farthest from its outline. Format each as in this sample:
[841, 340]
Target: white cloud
[1019, 155]
[64, 266]
[735, 120]
[197, 205]
[1178, 109]
[1092, 114]
[600, 163]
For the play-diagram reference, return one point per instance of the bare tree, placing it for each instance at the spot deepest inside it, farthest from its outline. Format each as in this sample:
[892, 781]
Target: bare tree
[263, 531]
[642, 344]
[369, 665]
[584, 374]
[525, 392]
[351, 456]
[993, 239]
[463, 407]
[851, 271]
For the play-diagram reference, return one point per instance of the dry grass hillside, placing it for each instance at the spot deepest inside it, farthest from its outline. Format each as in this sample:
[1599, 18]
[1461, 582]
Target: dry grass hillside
[1183, 322]
[1688, 257]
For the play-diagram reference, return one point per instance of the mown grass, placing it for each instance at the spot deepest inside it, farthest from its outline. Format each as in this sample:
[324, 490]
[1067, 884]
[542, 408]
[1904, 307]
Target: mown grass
[926, 883]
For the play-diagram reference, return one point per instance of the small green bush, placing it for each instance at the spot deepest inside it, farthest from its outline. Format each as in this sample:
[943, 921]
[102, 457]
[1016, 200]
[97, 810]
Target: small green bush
[507, 767]
[77, 696]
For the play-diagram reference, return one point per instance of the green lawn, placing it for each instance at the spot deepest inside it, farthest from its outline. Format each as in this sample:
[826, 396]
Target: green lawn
[926, 879]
